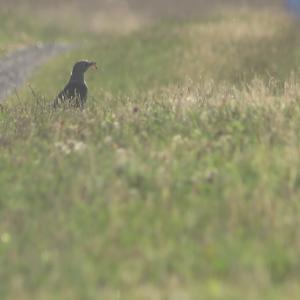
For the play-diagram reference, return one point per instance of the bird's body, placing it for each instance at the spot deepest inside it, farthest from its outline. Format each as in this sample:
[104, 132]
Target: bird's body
[76, 90]
[74, 93]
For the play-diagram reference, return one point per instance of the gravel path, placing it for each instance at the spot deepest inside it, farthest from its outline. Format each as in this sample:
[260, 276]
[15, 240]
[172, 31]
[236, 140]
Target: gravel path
[17, 67]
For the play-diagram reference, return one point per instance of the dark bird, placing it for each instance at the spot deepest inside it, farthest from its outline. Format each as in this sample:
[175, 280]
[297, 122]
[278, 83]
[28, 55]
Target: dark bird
[75, 92]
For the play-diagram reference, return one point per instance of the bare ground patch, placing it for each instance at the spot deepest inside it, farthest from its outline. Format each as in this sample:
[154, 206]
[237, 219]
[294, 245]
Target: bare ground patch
[17, 67]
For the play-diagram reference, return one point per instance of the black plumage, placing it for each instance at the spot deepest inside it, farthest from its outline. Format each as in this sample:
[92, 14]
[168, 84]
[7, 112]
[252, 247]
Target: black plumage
[76, 90]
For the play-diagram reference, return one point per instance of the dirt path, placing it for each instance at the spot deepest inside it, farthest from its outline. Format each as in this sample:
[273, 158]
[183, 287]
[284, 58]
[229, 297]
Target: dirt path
[17, 67]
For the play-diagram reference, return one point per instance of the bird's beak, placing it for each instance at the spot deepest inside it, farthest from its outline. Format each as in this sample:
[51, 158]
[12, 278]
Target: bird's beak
[93, 65]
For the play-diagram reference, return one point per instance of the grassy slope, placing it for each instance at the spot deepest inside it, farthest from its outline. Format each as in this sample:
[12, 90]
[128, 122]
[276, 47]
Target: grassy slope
[20, 30]
[164, 187]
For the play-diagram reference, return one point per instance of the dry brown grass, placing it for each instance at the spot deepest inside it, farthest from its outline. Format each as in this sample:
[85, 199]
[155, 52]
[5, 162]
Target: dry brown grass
[236, 44]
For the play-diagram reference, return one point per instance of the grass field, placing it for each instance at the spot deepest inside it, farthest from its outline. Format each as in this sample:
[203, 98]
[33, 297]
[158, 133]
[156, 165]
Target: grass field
[180, 179]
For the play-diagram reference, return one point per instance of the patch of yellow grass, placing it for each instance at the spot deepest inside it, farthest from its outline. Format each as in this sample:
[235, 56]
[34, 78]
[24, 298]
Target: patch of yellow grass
[220, 43]
[238, 24]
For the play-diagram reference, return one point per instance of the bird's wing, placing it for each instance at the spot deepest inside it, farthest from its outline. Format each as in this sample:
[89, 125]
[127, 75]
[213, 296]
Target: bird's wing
[62, 96]
[72, 90]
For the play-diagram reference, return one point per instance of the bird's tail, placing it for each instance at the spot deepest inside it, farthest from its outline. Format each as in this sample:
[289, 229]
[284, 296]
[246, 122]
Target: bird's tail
[55, 103]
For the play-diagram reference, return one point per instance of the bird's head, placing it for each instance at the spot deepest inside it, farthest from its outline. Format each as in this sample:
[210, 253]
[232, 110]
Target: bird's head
[82, 66]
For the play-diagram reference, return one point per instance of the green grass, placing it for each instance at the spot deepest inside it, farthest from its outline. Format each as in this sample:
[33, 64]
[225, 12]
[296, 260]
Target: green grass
[180, 180]
[19, 30]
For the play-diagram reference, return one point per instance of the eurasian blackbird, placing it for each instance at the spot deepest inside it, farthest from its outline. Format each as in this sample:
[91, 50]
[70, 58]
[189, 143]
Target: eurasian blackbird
[75, 92]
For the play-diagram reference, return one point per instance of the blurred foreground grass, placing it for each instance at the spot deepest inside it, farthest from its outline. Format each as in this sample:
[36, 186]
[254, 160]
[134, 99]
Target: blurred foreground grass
[180, 180]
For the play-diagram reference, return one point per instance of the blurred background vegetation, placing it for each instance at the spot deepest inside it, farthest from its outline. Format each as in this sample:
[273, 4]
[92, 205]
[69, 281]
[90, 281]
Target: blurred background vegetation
[124, 15]
[180, 179]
